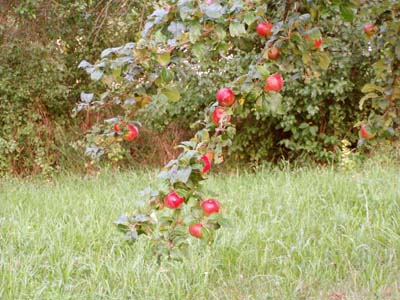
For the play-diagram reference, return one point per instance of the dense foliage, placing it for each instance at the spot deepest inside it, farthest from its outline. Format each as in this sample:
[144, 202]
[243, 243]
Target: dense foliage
[187, 51]
[41, 45]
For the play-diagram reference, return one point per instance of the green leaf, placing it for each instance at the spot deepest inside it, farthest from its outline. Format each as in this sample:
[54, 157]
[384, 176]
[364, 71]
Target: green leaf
[249, 18]
[164, 58]
[96, 75]
[295, 37]
[194, 33]
[369, 87]
[237, 29]
[185, 9]
[346, 13]
[380, 67]
[214, 10]
[306, 58]
[220, 32]
[324, 60]
[204, 136]
[108, 51]
[275, 102]
[366, 97]
[181, 175]
[383, 103]
[313, 33]
[131, 236]
[305, 18]
[177, 29]
[199, 50]
[116, 72]
[167, 75]
[263, 71]
[121, 61]
[187, 155]
[244, 44]
[172, 93]
[87, 97]
[84, 64]
[141, 218]
[122, 220]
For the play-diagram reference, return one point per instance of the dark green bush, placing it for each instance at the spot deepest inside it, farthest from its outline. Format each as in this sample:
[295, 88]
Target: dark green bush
[41, 45]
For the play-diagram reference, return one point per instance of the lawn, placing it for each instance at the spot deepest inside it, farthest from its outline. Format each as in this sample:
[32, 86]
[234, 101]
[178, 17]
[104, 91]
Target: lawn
[312, 233]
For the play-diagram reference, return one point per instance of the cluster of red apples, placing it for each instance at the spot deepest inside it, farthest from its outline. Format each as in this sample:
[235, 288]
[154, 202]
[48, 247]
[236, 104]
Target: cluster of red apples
[209, 207]
[275, 81]
[131, 131]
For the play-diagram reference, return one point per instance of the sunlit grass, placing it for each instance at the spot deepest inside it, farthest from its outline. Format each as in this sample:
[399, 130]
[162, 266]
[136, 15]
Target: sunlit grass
[295, 234]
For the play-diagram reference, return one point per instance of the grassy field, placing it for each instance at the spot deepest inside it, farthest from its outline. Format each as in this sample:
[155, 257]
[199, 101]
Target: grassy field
[296, 234]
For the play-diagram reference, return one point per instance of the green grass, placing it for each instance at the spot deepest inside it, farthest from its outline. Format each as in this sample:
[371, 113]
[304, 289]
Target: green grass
[296, 234]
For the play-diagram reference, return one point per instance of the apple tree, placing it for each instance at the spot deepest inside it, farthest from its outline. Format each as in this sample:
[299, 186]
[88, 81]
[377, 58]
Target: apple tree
[272, 70]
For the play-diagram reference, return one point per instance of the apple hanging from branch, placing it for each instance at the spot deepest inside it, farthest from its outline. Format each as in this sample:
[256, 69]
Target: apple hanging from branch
[225, 97]
[210, 206]
[274, 83]
[264, 29]
[195, 230]
[173, 200]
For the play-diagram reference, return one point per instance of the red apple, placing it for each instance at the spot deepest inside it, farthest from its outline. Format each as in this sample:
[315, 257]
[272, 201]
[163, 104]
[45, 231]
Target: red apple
[173, 200]
[210, 206]
[264, 29]
[274, 83]
[273, 53]
[225, 97]
[218, 113]
[365, 133]
[195, 230]
[133, 132]
[207, 163]
[116, 127]
[317, 43]
[370, 29]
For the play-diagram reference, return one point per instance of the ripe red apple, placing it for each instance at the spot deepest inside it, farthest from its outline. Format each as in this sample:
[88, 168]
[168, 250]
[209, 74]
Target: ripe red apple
[116, 127]
[210, 206]
[207, 163]
[218, 113]
[365, 133]
[274, 83]
[264, 29]
[317, 43]
[173, 200]
[133, 132]
[370, 29]
[195, 230]
[273, 53]
[225, 97]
